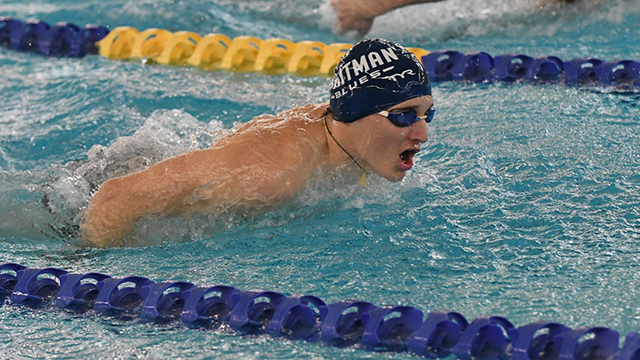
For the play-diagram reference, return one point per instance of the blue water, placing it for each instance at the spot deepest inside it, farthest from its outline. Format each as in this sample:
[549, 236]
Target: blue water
[524, 202]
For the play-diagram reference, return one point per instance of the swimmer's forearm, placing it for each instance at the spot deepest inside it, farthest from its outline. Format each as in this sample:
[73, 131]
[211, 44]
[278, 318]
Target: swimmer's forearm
[121, 202]
[110, 216]
[384, 6]
[96, 232]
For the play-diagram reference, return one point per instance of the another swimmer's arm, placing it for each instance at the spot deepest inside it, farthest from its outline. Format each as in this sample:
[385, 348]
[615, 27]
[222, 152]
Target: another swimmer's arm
[545, 3]
[388, 5]
[359, 14]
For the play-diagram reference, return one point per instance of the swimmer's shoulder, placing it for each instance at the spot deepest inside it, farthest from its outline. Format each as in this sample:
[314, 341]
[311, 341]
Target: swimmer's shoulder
[295, 118]
[306, 114]
[305, 120]
[312, 109]
[288, 123]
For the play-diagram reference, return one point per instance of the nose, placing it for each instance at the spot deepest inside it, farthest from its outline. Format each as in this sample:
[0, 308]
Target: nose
[418, 131]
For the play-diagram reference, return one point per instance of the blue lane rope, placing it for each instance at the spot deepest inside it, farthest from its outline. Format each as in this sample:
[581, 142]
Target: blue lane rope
[308, 318]
[509, 68]
[69, 40]
[61, 40]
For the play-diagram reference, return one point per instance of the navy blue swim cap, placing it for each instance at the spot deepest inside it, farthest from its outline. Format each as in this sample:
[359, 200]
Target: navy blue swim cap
[375, 75]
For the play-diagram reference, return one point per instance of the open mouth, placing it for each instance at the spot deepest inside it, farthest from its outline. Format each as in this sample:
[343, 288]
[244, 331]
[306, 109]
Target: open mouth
[406, 159]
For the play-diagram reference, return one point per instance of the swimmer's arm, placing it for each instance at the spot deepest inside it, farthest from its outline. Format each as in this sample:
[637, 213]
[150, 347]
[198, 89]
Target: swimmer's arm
[190, 182]
[359, 14]
[109, 216]
[385, 6]
[121, 202]
[545, 3]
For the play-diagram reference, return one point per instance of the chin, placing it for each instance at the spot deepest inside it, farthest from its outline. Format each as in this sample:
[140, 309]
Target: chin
[395, 177]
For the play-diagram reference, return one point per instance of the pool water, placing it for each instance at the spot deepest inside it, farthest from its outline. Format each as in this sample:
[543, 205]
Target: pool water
[524, 203]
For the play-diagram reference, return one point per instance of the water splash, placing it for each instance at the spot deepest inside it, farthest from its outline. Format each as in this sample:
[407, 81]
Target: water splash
[49, 203]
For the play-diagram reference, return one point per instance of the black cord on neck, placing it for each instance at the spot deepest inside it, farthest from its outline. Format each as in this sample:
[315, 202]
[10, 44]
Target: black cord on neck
[324, 118]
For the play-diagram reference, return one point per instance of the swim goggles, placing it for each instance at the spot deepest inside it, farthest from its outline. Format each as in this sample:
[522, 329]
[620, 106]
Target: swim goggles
[406, 118]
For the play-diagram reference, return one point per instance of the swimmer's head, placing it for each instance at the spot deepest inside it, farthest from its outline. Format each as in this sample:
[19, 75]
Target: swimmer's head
[373, 76]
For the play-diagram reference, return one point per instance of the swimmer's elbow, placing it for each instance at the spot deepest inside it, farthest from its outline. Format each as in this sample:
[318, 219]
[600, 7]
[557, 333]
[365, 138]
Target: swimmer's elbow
[109, 215]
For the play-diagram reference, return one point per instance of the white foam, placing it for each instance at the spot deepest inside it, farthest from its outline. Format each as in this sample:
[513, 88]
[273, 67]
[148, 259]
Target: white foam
[328, 16]
[436, 20]
[448, 19]
[165, 133]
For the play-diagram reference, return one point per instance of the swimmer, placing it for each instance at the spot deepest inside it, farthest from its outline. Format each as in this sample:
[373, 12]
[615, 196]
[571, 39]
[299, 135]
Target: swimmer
[375, 121]
[358, 15]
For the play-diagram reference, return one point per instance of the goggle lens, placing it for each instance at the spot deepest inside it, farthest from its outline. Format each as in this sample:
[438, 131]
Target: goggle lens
[403, 119]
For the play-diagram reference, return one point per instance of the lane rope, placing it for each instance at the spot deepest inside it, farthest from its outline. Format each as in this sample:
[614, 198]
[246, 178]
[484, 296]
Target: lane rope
[355, 323]
[305, 58]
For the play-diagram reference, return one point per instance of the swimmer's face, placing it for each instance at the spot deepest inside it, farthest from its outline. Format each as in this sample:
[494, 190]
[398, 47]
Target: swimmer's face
[387, 149]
